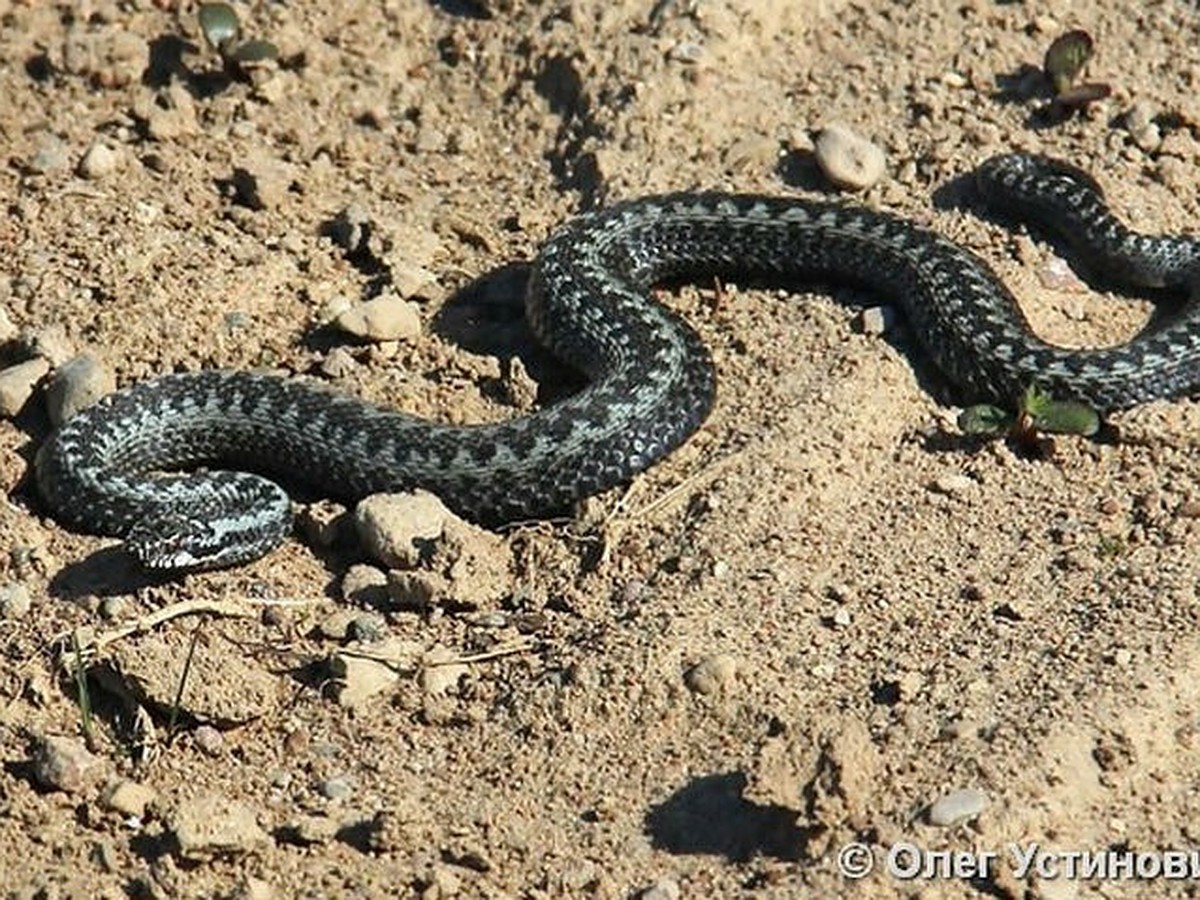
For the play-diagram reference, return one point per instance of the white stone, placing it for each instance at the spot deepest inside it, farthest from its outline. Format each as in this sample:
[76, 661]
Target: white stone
[847, 159]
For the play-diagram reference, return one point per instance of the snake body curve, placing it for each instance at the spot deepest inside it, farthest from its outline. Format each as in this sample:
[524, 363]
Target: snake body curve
[650, 379]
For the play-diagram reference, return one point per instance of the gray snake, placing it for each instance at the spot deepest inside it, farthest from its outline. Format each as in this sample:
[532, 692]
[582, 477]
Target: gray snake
[650, 379]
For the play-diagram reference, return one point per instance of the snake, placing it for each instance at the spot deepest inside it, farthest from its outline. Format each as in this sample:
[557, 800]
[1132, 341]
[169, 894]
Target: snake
[186, 467]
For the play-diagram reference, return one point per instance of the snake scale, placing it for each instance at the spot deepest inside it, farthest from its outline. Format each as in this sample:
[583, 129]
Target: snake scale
[650, 379]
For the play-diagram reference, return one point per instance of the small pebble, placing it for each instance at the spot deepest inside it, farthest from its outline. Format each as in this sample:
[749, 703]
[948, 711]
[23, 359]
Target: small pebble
[878, 320]
[339, 787]
[262, 181]
[50, 343]
[848, 160]
[51, 156]
[444, 883]
[368, 628]
[909, 685]
[359, 679]
[209, 740]
[62, 763]
[411, 280]
[167, 123]
[129, 798]
[1150, 138]
[1139, 122]
[365, 584]
[663, 889]
[314, 830]
[296, 742]
[351, 228]
[15, 601]
[686, 52]
[325, 524]
[113, 608]
[713, 674]
[385, 318]
[8, 331]
[76, 385]
[99, 161]
[440, 675]
[339, 363]
[256, 889]
[841, 617]
[415, 590]
[520, 389]
[17, 384]
[952, 484]
[1056, 274]
[957, 807]
[336, 625]
[105, 855]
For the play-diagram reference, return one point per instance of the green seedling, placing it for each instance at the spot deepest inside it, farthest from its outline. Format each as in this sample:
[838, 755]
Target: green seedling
[83, 695]
[1065, 60]
[1037, 413]
[223, 32]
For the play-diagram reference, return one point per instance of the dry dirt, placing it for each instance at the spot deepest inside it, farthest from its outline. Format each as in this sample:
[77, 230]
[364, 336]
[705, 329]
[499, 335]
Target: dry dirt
[881, 612]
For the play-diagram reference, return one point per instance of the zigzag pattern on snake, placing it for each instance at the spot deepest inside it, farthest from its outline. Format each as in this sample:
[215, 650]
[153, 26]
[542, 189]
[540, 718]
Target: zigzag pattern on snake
[651, 381]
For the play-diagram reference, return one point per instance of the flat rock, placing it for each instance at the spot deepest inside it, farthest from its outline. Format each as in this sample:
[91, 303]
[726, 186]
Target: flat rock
[957, 807]
[385, 318]
[849, 160]
[212, 825]
[18, 382]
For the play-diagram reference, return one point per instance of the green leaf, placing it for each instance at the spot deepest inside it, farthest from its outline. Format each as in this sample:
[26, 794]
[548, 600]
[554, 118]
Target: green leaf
[220, 25]
[985, 420]
[254, 52]
[1067, 417]
[1066, 57]
[1034, 401]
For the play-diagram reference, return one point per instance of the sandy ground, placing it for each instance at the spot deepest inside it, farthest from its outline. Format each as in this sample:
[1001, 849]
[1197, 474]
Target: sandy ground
[881, 614]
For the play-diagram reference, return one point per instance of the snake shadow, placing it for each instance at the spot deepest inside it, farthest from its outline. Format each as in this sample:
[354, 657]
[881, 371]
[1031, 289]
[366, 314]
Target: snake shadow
[108, 572]
[487, 316]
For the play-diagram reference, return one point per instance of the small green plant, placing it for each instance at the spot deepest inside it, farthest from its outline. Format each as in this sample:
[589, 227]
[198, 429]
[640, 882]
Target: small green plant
[1065, 60]
[1110, 546]
[1037, 413]
[223, 32]
[82, 694]
[177, 704]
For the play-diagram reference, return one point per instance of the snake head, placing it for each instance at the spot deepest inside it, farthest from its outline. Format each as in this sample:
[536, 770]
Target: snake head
[174, 541]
